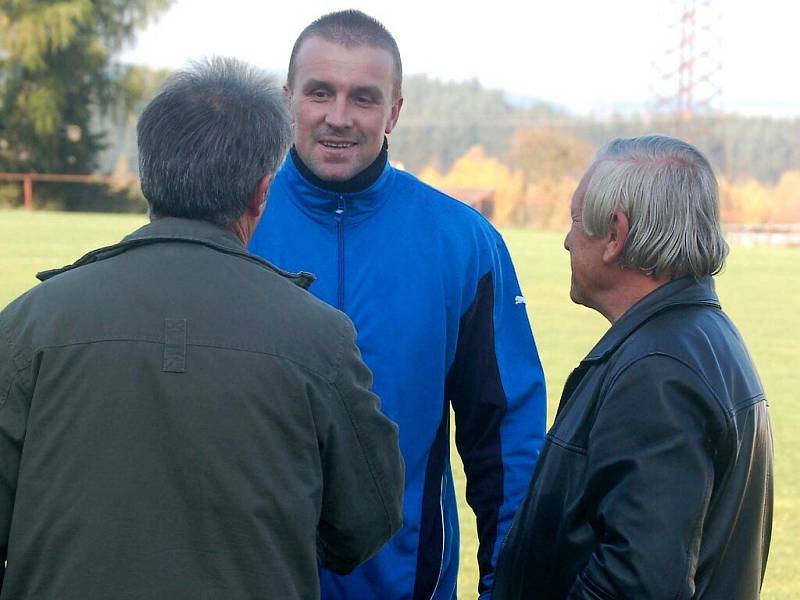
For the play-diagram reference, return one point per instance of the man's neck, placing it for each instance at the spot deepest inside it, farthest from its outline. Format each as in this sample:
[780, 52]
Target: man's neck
[357, 183]
[630, 289]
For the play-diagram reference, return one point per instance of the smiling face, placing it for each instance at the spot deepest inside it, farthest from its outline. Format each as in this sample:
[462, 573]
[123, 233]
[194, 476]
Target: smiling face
[342, 105]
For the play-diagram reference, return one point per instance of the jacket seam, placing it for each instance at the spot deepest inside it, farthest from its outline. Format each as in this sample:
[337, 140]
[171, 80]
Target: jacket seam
[106, 252]
[726, 421]
[707, 490]
[21, 362]
[365, 455]
[766, 530]
[5, 394]
[725, 413]
[568, 446]
[339, 359]
[332, 558]
[747, 403]
[190, 345]
[595, 589]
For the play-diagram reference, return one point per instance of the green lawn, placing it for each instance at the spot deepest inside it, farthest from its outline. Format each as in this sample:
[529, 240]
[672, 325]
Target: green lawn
[757, 289]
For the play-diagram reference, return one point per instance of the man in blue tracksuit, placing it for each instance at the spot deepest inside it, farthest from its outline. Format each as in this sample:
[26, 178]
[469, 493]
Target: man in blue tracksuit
[431, 289]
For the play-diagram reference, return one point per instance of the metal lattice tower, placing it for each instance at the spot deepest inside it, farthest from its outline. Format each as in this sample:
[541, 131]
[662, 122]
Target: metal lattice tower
[686, 88]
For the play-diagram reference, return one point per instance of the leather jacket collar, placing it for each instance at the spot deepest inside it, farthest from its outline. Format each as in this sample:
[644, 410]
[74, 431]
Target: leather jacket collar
[678, 292]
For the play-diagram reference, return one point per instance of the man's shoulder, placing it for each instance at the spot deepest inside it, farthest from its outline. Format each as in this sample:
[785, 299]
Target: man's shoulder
[438, 199]
[668, 333]
[128, 295]
[34, 315]
[701, 340]
[444, 212]
[679, 329]
[55, 293]
[283, 319]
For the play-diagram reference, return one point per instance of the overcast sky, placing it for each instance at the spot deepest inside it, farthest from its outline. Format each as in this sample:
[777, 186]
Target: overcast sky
[590, 56]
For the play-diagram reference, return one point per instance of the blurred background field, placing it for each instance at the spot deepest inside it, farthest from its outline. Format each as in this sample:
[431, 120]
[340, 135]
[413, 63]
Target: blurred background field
[760, 290]
[507, 118]
[504, 110]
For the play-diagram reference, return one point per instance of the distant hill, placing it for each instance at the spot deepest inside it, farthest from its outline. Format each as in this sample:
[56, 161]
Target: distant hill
[441, 120]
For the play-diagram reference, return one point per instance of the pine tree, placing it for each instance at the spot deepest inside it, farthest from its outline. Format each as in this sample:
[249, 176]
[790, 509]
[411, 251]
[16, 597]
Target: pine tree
[57, 73]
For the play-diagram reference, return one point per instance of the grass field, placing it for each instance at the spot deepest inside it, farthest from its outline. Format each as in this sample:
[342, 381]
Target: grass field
[760, 290]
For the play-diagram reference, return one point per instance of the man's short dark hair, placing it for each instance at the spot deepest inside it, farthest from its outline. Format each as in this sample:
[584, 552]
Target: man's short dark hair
[350, 28]
[212, 132]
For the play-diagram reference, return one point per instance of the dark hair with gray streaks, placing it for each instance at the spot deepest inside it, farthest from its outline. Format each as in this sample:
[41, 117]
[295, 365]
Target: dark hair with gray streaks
[350, 28]
[668, 191]
[212, 132]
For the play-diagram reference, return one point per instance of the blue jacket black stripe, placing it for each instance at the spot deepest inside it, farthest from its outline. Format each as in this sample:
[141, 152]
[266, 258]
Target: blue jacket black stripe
[441, 322]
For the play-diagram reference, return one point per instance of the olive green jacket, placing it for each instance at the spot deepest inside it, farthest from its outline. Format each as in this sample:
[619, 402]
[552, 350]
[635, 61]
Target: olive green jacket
[180, 419]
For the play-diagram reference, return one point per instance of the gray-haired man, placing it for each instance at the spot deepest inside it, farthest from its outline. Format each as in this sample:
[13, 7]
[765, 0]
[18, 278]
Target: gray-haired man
[656, 477]
[178, 418]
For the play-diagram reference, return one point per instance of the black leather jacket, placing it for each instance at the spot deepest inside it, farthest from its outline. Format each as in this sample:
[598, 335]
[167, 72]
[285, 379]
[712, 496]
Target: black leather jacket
[656, 478]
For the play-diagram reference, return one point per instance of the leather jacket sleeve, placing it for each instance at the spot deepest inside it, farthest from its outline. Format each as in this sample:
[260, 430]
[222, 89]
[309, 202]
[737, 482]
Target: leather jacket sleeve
[650, 474]
[363, 470]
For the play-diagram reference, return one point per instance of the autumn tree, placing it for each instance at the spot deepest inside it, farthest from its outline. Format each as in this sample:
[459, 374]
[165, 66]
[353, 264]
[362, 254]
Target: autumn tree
[752, 202]
[552, 162]
[549, 154]
[788, 197]
[442, 120]
[477, 170]
[57, 74]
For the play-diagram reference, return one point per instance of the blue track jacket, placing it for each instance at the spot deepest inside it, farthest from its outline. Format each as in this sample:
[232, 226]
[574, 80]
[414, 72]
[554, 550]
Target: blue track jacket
[441, 322]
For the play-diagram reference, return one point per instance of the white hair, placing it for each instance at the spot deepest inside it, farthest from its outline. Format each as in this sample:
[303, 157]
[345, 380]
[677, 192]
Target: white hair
[668, 192]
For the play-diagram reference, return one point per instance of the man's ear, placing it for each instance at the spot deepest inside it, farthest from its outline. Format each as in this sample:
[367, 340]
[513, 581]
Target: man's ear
[257, 202]
[616, 238]
[394, 114]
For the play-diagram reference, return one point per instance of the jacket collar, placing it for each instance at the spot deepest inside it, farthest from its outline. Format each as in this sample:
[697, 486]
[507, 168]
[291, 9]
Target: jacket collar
[357, 183]
[172, 229]
[322, 205]
[686, 291]
[189, 230]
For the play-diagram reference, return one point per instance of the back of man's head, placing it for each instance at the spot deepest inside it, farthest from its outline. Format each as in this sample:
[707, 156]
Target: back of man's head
[350, 28]
[668, 192]
[207, 139]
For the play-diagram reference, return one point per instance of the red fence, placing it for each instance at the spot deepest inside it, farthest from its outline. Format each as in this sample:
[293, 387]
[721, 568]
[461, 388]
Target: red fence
[27, 180]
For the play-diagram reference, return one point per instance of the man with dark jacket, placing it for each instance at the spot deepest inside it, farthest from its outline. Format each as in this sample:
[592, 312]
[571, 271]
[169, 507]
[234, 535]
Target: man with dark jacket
[656, 478]
[179, 418]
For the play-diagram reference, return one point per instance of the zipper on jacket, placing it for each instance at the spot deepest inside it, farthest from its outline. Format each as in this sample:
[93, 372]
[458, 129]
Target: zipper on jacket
[340, 232]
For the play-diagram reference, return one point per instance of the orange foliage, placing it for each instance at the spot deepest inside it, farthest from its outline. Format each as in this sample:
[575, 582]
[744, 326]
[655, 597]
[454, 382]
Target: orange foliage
[787, 195]
[546, 203]
[542, 201]
[550, 154]
[476, 169]
[754, 203]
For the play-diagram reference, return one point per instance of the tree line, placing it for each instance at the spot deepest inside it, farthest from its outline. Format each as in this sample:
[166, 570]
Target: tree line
[58, 83]
[442, 120]
[67, 107]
